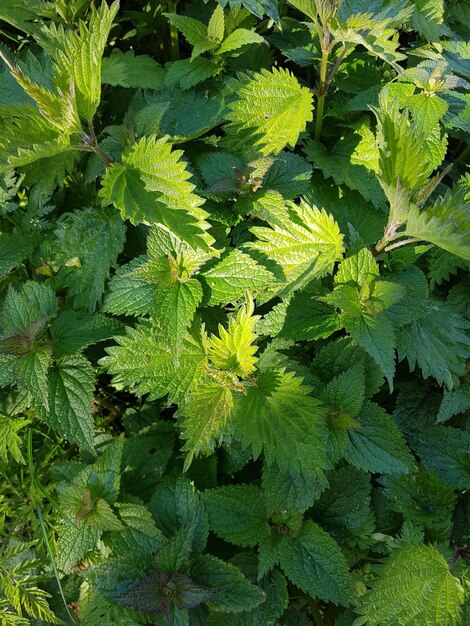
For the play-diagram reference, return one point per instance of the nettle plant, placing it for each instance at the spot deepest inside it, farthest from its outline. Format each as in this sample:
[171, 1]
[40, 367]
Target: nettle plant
[234, 239]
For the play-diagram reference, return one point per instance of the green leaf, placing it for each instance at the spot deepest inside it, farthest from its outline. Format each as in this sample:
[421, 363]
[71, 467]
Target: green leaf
[233, 351]
[31, 372]
[143, 359]
[216, 26]
[14, 249]
[443, 226]
[203, 415]
[74, 542]
[445, 451]
[414, 588]
[346, 392]
[151, 186]
[175, 309]
[190, 72]
[313, 561]
[22, 310]
[71, 334]
[376, 335]
[454, 402]
[279, 418]
[234, 274]
[128, 70]
[305, 247]
[360, 268]
[344, 509]
[128, 294]
[377, 445]
[78, 58]
[428, 18]
[270, 112]
[290, 489]
[237, 39]
[437, 343]
[290, 175]
[70, 390]
[301, 317]
[233, 592]
[95, 238]
[194, 31]
[10, 440]
[237, 514]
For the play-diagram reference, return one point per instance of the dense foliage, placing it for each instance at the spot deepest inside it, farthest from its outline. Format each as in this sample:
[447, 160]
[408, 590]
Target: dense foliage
[234, 312]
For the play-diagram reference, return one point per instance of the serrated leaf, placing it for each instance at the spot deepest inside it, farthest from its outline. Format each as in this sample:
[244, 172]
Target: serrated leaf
[143, 359]
[204, 415]
[346, 392]
[445, 451]
[233, 275]
[414, 588]
[151, 186]
[35, 302]
[237, 514]
[270, 112]
[71, 334]
[290, 489]
[237, 39]
[31, 373]
[279, 418]
[344, 509]
[95, 238]
[377, 337]
[175, 309]
[233, 592]
[454, 402]
[437, 343]
[74, 542]
[128, 294]
[78, 58]
[128, 70]
[71, 384]
[233, 351]
[305, 247]
[301, 317]
[377, 445]
[313, 561]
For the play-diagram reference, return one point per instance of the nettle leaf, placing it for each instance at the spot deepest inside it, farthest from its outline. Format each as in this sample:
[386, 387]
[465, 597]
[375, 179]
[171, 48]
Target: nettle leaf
[93, 240]
[23, 310]
[290, 489]
[233, 351]
[301, 317]
[144, 359]
[71, 334]
[233, 593]
[346, 392]
[31, 373]
[445, 451]
[127, 293]
[128, 70]
[437, 343]
[279, 418]
[270, 112]
[414, 588]
[234, 274]
[377, 445]
[203, 415]
[446, 223]
[237, 514]
[70, 387]
[151, 186]
[344, 509]
[305, 247]
[313, 561]
[78, 56]
[175, 309]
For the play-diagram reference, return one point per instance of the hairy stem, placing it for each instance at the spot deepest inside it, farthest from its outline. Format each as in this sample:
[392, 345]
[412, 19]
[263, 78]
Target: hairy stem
[323, 83]
[403, 242]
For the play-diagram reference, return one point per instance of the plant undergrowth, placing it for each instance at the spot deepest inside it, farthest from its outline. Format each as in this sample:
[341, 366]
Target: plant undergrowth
[234, 313]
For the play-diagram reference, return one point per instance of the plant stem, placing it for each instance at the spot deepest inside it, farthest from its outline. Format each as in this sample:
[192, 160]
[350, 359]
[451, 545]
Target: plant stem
[325, 53]
[174, 42]
[403, 242]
